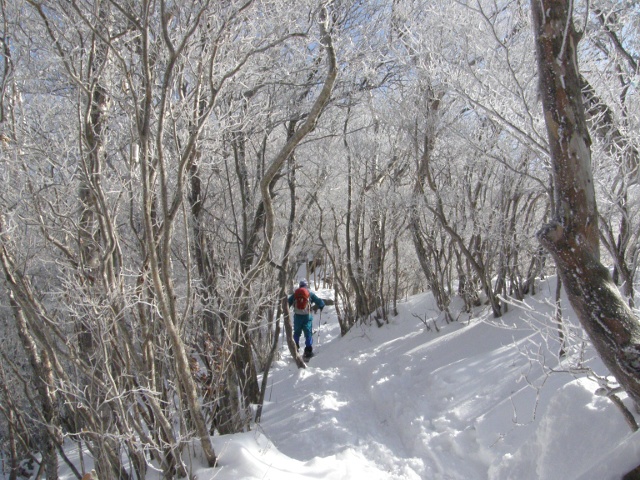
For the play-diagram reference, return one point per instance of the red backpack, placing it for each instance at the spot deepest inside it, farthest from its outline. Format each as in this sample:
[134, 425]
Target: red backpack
[301, 301]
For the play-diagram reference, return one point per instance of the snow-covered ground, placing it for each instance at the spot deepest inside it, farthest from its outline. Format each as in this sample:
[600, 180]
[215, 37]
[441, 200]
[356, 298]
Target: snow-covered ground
[475, 400]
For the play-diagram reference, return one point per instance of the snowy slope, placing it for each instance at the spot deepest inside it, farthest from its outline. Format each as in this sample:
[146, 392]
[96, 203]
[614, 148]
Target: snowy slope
[472, 401]
[476, 400]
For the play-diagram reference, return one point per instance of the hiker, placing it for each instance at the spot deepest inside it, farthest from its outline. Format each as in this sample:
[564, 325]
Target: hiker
[301, 301]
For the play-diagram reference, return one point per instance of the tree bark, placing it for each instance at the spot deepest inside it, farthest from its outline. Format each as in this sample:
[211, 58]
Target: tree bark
[292, 142]
[572, 236]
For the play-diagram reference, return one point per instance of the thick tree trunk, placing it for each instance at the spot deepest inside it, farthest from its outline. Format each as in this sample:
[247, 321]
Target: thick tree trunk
[572, 237]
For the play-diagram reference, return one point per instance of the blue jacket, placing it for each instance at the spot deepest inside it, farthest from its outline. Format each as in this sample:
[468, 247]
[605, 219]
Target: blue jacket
[313, 298]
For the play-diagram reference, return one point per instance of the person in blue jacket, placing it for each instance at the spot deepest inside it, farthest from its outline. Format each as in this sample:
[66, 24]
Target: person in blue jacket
[301, 301]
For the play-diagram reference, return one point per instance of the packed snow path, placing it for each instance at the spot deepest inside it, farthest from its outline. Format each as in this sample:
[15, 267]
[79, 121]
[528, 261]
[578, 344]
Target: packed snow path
[473, 401]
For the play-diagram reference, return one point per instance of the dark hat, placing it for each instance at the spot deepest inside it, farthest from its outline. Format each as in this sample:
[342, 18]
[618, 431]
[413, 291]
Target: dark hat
[303, 283]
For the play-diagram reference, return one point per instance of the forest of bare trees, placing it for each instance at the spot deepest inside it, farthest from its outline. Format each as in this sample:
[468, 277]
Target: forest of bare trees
[167, 167]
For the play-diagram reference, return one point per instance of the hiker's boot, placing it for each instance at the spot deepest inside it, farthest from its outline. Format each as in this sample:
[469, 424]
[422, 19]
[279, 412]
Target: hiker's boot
[308, 352]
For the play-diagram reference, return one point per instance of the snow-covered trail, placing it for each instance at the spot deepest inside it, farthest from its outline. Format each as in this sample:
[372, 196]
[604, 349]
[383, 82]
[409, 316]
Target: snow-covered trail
[473, 401]
[393, 395]
[330, 407]
[412, 404]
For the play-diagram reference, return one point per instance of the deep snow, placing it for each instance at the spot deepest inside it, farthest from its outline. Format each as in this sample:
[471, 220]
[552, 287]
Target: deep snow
[478, 399]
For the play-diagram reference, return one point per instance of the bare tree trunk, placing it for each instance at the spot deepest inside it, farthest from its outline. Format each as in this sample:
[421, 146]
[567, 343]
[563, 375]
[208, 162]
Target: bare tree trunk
[284, 277]
[352, 244]
[283, 281]
[40, 364]
[39, 361]
[396, 276]
[600, 118]
[347, 318]
[572, 236]
[159, 251]
[9, 412]
[423, 178]
[294, 140]
[558, 317]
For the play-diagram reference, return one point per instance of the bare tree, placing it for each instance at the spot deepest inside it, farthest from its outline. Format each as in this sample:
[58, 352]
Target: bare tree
[572, 237]
[104, 293]
[610, 113]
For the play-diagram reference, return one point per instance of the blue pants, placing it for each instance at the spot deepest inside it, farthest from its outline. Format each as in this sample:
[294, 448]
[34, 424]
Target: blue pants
[303, 323]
